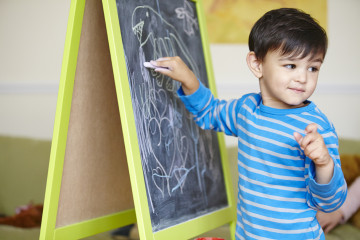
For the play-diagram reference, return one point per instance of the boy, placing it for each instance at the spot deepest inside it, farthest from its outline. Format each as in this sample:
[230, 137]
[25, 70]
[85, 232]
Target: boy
[288, 160]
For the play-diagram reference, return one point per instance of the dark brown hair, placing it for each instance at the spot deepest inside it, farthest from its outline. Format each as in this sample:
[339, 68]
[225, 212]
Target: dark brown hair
[289, 30]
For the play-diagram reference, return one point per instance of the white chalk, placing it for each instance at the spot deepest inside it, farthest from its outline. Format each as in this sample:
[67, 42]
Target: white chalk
[149, 65]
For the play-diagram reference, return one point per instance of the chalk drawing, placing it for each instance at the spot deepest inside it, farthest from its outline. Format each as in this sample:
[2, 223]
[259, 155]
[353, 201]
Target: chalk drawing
[158, 118]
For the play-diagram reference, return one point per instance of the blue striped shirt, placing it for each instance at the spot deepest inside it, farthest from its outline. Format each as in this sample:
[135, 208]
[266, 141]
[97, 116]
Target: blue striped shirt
[277, 193]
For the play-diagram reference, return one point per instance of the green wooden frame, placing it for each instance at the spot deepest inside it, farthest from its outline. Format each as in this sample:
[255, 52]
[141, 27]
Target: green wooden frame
[90, 227]
[55, 169]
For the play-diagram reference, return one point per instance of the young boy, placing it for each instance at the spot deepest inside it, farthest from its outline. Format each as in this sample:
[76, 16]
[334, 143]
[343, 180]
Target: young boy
[288, 160]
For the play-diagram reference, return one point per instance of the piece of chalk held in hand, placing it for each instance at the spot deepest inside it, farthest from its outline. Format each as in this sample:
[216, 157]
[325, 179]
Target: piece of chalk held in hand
[209, 238]
[149, 65]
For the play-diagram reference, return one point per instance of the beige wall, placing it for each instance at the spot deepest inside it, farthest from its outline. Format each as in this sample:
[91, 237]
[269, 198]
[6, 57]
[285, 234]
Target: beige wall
[32, 36]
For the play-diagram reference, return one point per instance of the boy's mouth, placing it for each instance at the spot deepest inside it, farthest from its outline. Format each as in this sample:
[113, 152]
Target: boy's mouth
[297, 90]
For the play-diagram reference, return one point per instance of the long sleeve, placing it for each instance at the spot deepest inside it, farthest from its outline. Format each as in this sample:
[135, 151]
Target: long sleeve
[278, 195]
[211, 113]
[327, 197]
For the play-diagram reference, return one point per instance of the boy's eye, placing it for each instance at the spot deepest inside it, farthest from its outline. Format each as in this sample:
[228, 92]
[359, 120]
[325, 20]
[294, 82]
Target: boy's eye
[313, 69]
[290, 66]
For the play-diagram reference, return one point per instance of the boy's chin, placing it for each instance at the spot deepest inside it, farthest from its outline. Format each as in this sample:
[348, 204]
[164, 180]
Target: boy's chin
[297, 104]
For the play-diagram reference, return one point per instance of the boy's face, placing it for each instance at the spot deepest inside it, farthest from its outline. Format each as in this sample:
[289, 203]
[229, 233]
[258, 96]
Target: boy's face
[288, 81]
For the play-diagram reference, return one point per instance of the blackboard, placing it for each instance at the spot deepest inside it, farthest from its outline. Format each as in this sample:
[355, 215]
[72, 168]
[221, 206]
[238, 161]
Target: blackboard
[181, 162]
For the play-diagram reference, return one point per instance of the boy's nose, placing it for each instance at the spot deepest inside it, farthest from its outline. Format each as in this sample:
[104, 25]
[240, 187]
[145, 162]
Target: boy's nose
[301, 76]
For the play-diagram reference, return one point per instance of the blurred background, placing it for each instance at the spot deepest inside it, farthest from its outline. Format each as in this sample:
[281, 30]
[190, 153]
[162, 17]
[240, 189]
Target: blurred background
[32, 38]
[32, 42]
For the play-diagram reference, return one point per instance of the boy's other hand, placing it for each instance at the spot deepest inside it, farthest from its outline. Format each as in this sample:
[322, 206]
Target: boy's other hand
[176, 69]
[329, 220]
[314, 148]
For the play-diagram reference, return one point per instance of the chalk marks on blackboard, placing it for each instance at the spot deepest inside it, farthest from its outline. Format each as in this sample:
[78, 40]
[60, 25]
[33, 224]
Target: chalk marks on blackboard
[181, 163]
[187, 13]
[158, 121]
[161, 121]
[164, 40]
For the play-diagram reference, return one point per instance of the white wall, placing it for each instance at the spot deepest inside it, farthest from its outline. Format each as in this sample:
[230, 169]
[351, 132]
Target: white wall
[32, 37]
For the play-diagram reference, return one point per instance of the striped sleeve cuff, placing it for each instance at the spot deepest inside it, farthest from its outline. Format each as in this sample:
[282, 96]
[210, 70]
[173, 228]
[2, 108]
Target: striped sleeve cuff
[329, 189]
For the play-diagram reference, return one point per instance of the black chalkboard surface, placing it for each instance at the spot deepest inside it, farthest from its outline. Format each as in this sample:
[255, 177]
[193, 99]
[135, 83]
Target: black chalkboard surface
[181, 162]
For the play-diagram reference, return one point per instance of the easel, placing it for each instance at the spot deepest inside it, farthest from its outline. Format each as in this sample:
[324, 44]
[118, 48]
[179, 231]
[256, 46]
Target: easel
[93, 158]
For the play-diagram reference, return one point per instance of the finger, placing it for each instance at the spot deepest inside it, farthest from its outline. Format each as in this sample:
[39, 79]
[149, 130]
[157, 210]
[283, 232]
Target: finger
[308, 140]
[311, 128]
[327, 227]
[330, 227]
[163, 71]
[156, 62]
[298, 137]
[163, 59]
[322, 222]
[161, 64]
[311, 153]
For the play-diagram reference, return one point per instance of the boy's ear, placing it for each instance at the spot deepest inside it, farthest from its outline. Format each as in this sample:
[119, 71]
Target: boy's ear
[254, 64]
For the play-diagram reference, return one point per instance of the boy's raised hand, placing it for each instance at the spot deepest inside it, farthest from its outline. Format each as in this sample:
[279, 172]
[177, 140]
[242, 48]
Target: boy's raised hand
[314, 148]
[176, 69]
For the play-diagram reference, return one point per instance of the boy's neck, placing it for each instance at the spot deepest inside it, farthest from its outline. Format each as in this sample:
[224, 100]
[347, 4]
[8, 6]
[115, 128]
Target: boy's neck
[281, 105]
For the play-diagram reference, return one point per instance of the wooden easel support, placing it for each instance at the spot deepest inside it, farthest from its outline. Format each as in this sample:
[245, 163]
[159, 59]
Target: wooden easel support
[88, 171]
